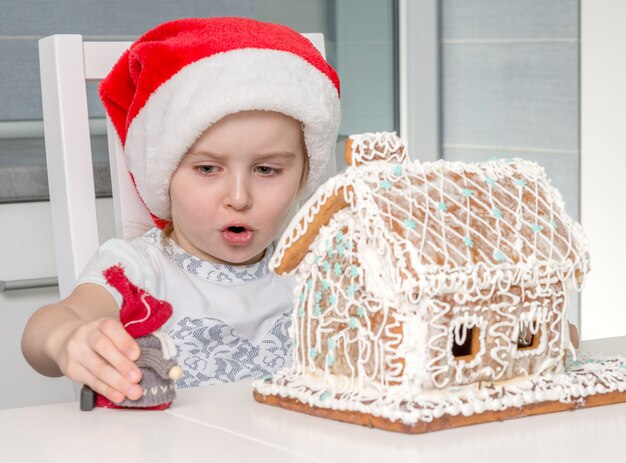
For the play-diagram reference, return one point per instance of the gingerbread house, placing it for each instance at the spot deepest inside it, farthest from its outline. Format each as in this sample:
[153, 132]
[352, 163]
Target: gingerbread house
[424, 287]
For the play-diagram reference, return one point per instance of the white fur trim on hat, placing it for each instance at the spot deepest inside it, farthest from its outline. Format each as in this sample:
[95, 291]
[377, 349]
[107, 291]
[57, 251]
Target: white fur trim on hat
[204, 92]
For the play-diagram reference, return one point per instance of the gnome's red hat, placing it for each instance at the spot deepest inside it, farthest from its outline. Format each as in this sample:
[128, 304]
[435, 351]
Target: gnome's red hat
[183, 76]
[141, 313]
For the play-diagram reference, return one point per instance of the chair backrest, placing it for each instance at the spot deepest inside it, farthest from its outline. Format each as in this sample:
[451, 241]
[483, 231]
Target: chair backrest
[67, 63]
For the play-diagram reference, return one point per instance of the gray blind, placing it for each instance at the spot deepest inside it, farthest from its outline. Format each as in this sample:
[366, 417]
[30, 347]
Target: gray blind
[510, 85]
[23, 23]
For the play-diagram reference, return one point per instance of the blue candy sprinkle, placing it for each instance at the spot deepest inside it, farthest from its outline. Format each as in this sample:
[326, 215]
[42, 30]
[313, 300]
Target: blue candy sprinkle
[411, 224]
[490, 181]
[329, 248]
[497, 213]
[301, 296]
[325, 395]
[338, 269]
[537, 228]
[467, 193]
[353, 323]
[385, 185]
[361, 312]
[332, 299]
[331, 344]
[498, 255]
[309, 284]
[351, 289]
[318, 295]
[354, 271]
[339, 237]
[341, 251]
[468, 242]
[301, 312]
[520, 182]
[326, 266]
[330, 360]
[397, 170]
[325, 284]
[318, 310]
[554, 225]
[442, 206]
[313, 352]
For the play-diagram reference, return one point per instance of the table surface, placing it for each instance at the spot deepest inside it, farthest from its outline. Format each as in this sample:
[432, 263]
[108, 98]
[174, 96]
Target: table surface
[224, 423]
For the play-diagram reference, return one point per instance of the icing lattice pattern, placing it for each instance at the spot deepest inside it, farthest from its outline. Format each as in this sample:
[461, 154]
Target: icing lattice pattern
[449, 223]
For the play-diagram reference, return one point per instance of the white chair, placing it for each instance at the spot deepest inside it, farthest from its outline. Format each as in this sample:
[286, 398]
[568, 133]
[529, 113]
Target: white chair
[67, 63]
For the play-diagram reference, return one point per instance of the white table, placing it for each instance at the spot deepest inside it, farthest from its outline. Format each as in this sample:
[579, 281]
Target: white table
[224, 424]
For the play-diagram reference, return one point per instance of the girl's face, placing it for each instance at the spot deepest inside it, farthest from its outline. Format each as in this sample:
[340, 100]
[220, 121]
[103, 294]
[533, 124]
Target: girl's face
[233, 190]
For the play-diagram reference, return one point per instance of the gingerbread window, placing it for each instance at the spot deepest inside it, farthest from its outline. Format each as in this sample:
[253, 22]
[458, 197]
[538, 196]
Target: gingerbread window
[465, 342]
[528, 337]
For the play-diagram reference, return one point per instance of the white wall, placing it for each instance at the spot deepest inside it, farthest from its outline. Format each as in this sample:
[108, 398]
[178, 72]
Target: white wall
[603, 165]
[27, 251]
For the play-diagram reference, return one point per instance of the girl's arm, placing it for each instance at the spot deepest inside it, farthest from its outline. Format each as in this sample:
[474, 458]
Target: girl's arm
[82, 338]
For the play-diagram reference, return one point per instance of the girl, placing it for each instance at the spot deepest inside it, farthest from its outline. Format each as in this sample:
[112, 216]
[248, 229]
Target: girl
[224, 122]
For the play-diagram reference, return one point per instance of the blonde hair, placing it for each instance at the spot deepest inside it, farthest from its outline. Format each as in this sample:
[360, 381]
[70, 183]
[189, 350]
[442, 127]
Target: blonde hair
[305, 168]
[168, 230]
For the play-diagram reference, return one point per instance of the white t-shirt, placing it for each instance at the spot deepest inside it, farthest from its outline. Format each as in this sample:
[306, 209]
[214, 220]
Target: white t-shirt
[229, 322]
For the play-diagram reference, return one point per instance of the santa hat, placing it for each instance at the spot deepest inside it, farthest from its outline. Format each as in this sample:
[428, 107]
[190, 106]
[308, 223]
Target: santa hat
[185, 75]
[141, 314]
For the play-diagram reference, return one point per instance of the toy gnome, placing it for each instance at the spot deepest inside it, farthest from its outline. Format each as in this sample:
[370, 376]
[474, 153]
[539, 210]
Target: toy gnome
[142, 315]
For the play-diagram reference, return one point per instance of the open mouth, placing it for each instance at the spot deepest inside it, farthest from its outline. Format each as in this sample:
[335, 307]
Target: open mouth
[237, 235]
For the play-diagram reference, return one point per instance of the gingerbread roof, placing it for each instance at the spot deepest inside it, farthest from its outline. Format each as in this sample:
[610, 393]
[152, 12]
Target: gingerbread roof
[449, 225]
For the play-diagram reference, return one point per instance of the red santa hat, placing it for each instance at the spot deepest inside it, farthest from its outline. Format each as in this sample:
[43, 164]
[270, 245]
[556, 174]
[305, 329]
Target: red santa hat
[185, 75]
[141, 313]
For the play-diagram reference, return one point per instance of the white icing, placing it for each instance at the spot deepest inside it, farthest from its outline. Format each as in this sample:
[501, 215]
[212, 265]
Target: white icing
[367, 147]
[413, 349]
[423, 253]
[589, 376]
[536, 256]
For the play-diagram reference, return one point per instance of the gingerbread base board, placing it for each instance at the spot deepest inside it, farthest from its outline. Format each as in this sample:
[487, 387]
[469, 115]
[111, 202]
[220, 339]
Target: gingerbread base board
[590, 381]
[446, 421]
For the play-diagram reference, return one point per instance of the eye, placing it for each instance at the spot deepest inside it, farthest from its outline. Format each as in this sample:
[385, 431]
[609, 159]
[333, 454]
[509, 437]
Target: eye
[267, 171]
[207, 169]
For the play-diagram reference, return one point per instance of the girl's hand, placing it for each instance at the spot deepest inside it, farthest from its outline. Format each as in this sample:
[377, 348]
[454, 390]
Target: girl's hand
[101, 354]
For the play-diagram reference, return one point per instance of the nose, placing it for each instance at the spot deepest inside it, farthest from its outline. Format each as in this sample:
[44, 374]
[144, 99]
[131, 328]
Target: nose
[239, 196]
